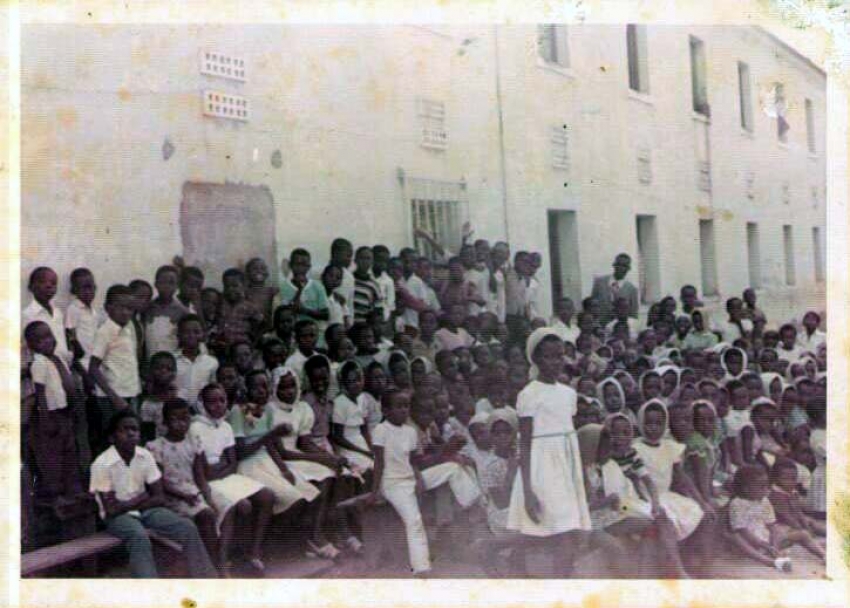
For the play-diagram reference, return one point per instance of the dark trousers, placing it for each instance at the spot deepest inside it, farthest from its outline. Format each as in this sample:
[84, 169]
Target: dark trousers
[55, 452]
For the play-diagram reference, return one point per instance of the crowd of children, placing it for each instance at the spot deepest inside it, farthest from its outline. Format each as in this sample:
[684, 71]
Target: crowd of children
[204, 413]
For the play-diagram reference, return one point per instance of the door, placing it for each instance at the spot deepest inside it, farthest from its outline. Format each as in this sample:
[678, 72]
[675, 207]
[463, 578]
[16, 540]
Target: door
[564, 256]
[648, 259]
[225, 225]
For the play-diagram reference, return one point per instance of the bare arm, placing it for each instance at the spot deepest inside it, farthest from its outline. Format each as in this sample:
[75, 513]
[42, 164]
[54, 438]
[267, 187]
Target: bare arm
[532, 504]
[150, 498]
[338, 438]
[100, 380]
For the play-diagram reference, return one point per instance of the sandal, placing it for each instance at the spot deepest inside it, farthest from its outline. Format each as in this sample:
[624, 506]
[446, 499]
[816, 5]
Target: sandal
[326, 551]
[354, 544]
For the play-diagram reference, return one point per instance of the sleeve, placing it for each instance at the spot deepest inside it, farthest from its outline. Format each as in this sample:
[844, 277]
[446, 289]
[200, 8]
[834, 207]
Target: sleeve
[71, 318]
[229, 440]
[769, 513]
[571, 401]
[39, 370]
[737, 515]
[527, 404]
[101, 342]
[152, 473]
[237, 421]
[677, 451]
[322, 298]
[379, 435]
[341, 411]
[308, 420]
[213, 370]
[153, 448]
[100, 480]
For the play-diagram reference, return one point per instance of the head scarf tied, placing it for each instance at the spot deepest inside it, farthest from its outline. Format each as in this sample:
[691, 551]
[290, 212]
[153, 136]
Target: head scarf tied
[502, 414]
[277, 375]
[600, 389]
[534, 340]
[652, 403]
[429, 367]
[744, 363]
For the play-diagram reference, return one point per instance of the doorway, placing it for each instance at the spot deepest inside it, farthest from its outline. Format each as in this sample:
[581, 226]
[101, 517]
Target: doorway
[564, 256]
[648, 259]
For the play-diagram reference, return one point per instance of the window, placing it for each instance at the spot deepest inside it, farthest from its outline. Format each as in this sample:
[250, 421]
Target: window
[779, 104]
[698, 82]
[432, 123]
[753, 255]
[703, 155]
[810, 126]
[644, 165]
[818, 251]
[707, 257]
[564, 255]
[745, 96]
[560, 147]
[552, 44]
[439, 208]
[788, 246]
[638, 66]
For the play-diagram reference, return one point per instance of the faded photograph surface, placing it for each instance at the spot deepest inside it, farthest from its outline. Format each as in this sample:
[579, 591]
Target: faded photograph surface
[436, 301]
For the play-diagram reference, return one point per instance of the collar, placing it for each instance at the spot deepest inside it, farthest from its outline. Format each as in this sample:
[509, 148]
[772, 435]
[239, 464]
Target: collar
[35, 307]
[111, 456]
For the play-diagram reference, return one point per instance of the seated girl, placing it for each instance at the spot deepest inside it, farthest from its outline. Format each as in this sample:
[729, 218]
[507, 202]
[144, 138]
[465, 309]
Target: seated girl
[228, 492]
[256, 446]
[752, 520]
[306, 459]
[788, 506]
[349, 431]
[702, 451]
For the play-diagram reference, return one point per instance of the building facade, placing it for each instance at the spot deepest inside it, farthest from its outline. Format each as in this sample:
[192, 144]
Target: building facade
[698, 150]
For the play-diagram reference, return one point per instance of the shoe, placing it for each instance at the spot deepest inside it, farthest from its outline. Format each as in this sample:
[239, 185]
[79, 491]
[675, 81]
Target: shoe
[354, 545]
[257, 564]
[326, 551]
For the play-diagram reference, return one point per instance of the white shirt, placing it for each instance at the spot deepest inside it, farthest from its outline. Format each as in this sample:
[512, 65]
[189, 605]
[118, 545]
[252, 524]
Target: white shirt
[533, 298]
[420, 290]
[109, 473]
[730, 331]
[567, 334]
[811, 343]
[192, 376]
[398, 443]
[115, 346]
[44, 372]
[346, 290]
[296, 361]
[497, 304]
[84, 320]
[481, 280]
[793, 355]
[56, 322]
[387, 287]
[214, 437]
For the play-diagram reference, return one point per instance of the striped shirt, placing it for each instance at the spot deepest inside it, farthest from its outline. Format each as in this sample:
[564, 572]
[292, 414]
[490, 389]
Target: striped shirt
[367, 297]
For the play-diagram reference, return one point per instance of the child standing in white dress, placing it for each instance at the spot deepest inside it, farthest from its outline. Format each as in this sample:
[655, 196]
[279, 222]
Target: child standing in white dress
[548, 497]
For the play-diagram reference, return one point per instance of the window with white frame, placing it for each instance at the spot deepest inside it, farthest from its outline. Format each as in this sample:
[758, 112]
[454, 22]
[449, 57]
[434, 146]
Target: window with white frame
[552, 44]
[438, 208]
[745, 96]
[637, 55]
[432, 123]
[559, 141]
[810, 126]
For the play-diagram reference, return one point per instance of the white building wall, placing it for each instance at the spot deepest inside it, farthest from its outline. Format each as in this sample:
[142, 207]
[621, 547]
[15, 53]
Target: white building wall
[339, 103]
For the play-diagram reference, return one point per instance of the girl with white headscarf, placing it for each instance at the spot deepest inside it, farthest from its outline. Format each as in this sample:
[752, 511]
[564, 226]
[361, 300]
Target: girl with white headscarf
[548, 496]
[663, 460]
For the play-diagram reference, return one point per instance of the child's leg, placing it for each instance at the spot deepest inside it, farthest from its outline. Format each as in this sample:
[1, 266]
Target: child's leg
[228, 525]
[803, 538]
[183, 530]
[131, 530]
[667, 535]
[747, 549]
[817, 527]
[321, 511]
[262, 503]
[402, 496]
[205, 521]
[463, 486]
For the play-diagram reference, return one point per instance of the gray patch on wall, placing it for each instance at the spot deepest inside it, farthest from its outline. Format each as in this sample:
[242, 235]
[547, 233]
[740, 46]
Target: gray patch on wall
[225, 225]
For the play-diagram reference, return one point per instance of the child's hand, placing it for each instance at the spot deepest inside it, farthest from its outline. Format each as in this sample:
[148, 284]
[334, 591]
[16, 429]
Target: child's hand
[657, 510]
[281, 430]
[532, 506]
[120, 403]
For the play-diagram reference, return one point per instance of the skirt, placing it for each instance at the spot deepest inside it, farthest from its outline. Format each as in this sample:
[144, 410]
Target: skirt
[260, 467]
[228, 491]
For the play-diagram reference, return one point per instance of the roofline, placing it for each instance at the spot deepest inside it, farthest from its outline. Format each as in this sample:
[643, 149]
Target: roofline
[821, 72]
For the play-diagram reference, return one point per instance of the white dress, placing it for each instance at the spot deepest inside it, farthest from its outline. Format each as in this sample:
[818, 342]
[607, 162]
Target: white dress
[215, 436]
[659, 460]
[301, 418]
[614, 481]
[352, 415]
[556, 470]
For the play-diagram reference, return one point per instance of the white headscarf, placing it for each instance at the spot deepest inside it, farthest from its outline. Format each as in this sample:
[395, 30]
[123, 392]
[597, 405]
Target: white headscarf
[641, 416]
[531, 344]
[504, 414]
[277, 376]
[600, 389]
[744, 364]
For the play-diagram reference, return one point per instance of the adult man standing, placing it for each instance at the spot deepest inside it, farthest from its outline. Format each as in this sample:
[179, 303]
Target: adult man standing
[607, 288]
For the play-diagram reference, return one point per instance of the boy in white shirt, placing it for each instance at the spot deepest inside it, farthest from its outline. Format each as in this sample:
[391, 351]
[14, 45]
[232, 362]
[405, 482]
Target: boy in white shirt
[52, 434]
[81, 319]
[114, 366]
[562, 322]
[127, 486]
[195, 368]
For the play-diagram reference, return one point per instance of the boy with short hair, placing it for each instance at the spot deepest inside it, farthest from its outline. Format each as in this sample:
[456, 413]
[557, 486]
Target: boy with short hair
[127, 485]
[562, 322]
[114, 366]
[306, 296]
[256, 290]
[305, 340]
[195, 368]
[81, 319]
[162, 372]
[341, 253]
[191, 286]
[367, 294]
[56, 398]
[380, 265]
[240, 318]
[162, 314]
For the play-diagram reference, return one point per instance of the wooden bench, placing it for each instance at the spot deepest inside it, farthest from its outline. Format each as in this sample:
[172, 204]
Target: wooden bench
[48, 558]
